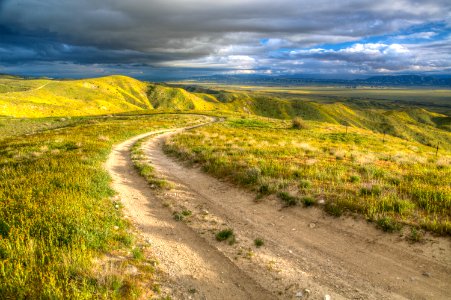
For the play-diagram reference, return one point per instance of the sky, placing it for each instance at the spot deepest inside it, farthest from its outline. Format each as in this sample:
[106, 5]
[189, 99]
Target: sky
[155, 39]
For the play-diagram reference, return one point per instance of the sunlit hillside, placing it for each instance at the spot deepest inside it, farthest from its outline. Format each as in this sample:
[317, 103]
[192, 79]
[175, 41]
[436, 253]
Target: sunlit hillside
[38, 98]
[118, 94]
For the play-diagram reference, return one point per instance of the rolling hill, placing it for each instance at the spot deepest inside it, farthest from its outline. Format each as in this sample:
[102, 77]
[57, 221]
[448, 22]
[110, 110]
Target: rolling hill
[118, 94]
[39, 98]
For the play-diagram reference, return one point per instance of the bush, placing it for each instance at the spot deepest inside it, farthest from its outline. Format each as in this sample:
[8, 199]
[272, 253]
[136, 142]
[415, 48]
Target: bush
[259, 242]
[305, 184]
[187, 213]
[309, 201]
[288, 199]
[354, 178]
[178, 216]
[388, 224]
[416, 235]
[225, 234]
[333, 209]
[370, 190]
[298, 123]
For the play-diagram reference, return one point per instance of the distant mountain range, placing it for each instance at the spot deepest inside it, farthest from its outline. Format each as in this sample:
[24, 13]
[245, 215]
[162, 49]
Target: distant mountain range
[302, 80]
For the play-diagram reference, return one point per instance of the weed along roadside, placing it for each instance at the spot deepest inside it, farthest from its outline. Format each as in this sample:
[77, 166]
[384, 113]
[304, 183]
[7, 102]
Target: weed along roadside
[60, 234]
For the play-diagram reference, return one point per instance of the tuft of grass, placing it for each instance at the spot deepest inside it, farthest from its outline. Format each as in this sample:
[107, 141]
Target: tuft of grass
[187, 213]
[178, 216]
[258, 242]
[137, 253]
[354, 178]
[333, 209]
[298, 123]
[370, 190]
[416, 235]
[388, 224]
[305, 184]
[288, 199]
[225, 234]
[308, 201]
[145, 169]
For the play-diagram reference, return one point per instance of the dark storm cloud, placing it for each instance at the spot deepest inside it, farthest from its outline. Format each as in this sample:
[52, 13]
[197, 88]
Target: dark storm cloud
[206, 34]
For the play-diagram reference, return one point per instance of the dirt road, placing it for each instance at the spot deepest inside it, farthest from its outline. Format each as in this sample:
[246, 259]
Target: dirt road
[306, 254]
[195, 269]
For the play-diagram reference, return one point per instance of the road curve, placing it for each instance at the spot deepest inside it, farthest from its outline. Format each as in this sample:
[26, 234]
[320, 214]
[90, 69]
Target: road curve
[195, 269]
[306, 254]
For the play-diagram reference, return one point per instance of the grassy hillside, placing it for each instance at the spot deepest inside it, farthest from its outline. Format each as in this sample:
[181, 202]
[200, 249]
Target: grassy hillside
[41, 98]
[114, 94]
[62, 235]
[388, 180]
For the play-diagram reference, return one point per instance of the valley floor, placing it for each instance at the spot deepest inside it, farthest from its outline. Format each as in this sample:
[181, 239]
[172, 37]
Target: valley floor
[306, 254]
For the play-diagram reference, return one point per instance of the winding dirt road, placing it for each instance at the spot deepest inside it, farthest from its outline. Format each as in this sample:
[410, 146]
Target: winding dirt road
[306, 254]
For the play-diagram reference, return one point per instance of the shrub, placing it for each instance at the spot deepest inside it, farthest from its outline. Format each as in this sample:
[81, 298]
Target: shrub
[388, 224]
[288, 199]
[309, 201]
[264, 189]
[186, 213]
[370, 190]
[354, 178]
[225, 234]
[259, 242]
[415, 235]
[298, 123]
[138, 254]
[252, 175]
[178, 216]
[333, 209]
[305, 184]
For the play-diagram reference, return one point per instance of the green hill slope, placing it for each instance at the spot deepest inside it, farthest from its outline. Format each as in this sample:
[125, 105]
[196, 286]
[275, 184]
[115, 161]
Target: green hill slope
[117, 94]
[40, 98]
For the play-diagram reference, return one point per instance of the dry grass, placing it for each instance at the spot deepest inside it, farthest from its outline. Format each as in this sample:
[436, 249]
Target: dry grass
[354, 171]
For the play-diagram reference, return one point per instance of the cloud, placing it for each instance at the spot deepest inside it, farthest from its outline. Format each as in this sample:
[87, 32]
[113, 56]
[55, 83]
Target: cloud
[232, 34]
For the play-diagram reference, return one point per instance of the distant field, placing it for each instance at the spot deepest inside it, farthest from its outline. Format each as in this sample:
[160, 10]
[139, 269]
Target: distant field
[435, 99]
[388, 180]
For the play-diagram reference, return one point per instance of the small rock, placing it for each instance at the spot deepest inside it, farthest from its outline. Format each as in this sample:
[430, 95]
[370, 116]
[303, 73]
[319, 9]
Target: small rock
[205, 212]
[321, 201]
[427, 274]
[299, 294]
[327, 297]
[289, 251]
[312, 225]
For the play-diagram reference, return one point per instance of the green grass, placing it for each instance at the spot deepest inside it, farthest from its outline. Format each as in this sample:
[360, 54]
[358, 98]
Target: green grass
[258, 242]
[224, 235]
[359, 171]
[381, 110]
[56, 213]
